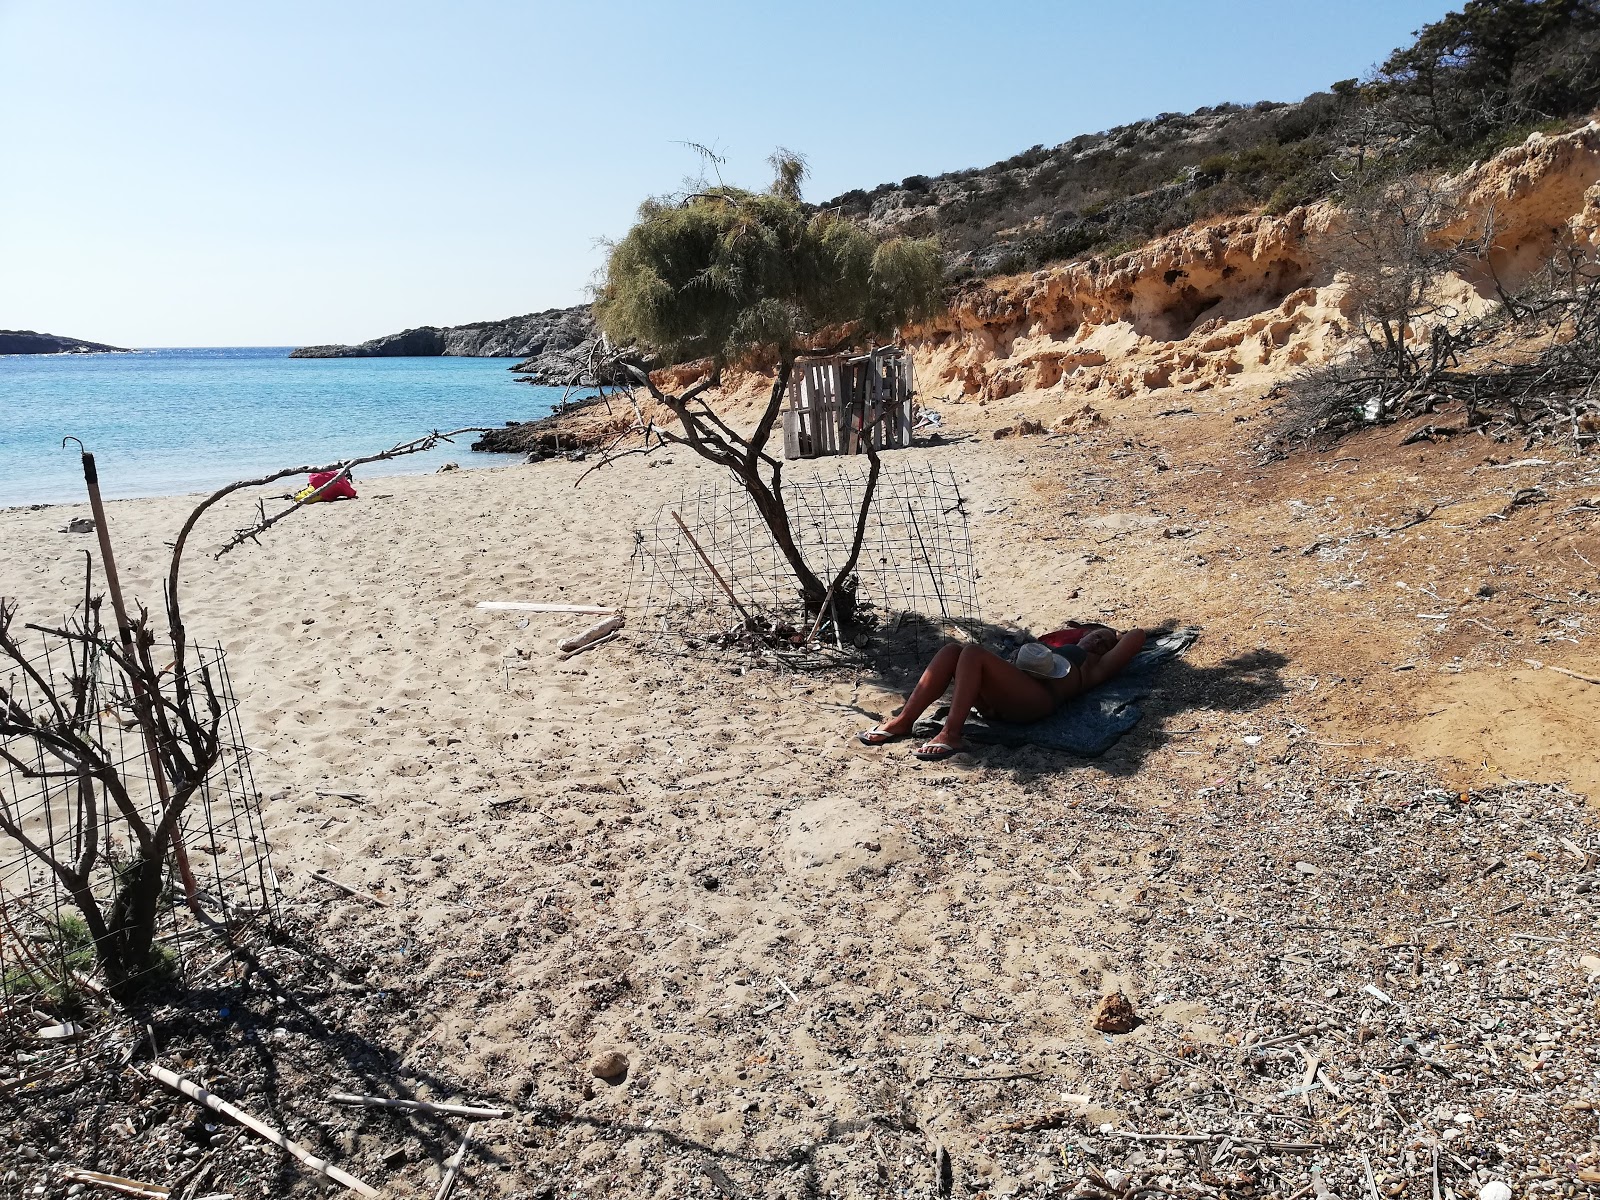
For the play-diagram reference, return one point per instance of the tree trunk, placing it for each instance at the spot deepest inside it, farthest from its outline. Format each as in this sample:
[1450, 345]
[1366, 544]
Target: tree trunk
[130, 933]
[768, 499]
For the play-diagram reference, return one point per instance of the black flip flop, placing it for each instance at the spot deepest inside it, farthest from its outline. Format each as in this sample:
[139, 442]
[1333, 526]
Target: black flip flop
[937, 751]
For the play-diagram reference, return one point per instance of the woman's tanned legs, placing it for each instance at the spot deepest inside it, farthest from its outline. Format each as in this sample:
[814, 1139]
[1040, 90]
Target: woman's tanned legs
[982, 680]
[929, 688]
[988, 682]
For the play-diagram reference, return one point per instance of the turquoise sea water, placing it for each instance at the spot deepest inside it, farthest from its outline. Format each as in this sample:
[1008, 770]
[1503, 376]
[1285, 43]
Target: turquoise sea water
[162, 422]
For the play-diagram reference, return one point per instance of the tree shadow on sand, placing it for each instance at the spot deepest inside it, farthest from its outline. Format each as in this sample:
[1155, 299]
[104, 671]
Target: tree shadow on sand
[1244, 683]
[225, 1037]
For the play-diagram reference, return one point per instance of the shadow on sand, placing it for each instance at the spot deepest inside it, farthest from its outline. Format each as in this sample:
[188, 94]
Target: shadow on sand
[223, 1037]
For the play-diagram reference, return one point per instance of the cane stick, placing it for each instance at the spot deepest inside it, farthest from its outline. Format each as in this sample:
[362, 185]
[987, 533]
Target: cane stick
[715, 574]
[108, 561]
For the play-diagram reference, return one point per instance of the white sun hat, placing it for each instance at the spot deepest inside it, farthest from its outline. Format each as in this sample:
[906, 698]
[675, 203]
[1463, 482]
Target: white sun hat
[1038, 659]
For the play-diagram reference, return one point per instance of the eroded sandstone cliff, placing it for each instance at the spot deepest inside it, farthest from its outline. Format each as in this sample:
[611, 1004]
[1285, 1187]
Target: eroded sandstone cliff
[1230, 299]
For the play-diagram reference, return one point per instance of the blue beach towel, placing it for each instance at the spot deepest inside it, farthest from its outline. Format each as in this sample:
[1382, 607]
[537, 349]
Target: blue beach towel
[1089, 725]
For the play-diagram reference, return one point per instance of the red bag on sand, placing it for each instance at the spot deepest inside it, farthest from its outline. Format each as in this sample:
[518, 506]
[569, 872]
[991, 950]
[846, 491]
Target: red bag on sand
[342, 490]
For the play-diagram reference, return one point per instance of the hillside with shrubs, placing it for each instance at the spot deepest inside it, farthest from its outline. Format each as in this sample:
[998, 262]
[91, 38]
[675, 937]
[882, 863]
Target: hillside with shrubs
[1469, 85]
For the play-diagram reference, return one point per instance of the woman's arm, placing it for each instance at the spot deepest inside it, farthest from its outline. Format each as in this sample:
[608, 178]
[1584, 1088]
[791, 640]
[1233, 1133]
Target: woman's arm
[1119, 656]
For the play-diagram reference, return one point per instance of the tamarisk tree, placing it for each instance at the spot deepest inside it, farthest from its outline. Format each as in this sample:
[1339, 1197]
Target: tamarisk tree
[732, 277]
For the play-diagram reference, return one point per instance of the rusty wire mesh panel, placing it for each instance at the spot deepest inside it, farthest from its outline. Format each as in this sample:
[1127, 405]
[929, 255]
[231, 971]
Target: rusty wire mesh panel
[916, 555]
[70, 818]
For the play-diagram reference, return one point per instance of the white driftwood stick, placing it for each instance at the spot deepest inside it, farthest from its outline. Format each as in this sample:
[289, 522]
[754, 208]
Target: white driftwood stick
[1539, 666]
[588, 646]
[519, 606]
[594, 633]
[129, 1187]
[448, 1110]
[217, 1104]
[452, 1167]
[347, 889]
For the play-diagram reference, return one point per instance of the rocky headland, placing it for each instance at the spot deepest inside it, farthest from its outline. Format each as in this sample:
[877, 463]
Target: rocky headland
[552, 346]
[26, 341]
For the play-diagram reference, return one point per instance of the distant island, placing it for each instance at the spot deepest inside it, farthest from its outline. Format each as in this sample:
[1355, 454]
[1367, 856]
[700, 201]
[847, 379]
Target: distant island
[552, 345]
[26, 341]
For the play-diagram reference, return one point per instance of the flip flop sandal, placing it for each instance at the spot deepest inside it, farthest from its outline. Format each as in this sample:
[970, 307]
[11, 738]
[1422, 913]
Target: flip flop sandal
[879, 737]
[938, 751]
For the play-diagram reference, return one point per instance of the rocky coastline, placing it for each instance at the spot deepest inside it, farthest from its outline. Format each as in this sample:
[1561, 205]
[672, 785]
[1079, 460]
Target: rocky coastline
[571, 431]
[550, 346]
[26, 341]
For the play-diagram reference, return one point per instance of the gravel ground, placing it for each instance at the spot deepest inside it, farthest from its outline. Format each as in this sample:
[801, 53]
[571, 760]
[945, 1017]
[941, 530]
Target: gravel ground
[1393, 978]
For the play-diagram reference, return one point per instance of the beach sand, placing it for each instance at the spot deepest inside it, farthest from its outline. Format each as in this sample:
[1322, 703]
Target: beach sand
[804, 946]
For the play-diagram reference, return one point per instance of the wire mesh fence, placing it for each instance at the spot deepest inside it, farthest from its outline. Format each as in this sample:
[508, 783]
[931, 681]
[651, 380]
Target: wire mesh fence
[60, 818]
[709, 560]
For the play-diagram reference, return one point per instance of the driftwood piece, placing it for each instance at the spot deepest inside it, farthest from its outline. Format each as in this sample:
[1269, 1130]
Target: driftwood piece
[594, 645]
[594, 633]
[452, 1167]
[116, 1183]
[348, 890]
[217, 1104]
[1540, 666]
[519, 606]
[422, 1106]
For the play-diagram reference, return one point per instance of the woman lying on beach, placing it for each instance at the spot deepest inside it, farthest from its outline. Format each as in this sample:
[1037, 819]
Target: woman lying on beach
[1046, 674]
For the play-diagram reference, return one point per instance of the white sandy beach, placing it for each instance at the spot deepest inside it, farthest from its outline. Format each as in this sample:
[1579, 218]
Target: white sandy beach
[689, 859]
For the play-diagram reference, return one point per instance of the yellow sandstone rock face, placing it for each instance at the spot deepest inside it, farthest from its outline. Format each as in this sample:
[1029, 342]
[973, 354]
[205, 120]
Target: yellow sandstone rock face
[1531, 196]
[1246, 296]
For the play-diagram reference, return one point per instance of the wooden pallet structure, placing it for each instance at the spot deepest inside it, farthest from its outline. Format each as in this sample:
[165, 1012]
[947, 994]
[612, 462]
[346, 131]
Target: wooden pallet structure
[836, 404]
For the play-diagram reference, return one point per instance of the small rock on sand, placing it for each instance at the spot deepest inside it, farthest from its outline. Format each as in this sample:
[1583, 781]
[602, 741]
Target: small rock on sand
[609, 1065]
[1114, 1014]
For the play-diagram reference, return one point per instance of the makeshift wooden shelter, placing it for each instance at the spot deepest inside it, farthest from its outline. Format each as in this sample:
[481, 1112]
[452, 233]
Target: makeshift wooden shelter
[837, 404]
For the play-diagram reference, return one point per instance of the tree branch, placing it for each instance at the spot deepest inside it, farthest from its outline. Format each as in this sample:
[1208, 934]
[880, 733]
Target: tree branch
[343, 468]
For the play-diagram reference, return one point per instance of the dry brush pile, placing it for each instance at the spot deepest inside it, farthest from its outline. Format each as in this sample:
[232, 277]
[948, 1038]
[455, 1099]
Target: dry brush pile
[1527, 368]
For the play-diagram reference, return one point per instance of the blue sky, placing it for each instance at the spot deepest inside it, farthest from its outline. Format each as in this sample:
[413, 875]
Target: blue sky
[203, 173]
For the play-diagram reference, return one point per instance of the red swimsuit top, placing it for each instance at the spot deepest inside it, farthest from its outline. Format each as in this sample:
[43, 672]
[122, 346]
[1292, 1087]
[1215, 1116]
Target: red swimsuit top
[1067, 637]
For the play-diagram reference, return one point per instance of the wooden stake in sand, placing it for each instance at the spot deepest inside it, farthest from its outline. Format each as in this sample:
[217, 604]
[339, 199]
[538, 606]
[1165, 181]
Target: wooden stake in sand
[217, 1104]
[142, 707]
[422, 1106]
[715, 574]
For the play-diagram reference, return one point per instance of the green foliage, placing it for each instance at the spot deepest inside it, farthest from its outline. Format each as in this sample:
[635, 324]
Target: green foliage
[1492, 64]
[725, 273]
[69, 948]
